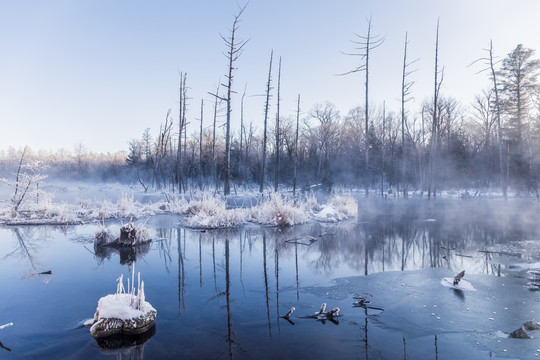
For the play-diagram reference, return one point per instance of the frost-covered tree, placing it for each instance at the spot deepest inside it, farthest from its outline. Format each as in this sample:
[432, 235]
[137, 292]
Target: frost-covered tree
[26, 177]
[519, 80]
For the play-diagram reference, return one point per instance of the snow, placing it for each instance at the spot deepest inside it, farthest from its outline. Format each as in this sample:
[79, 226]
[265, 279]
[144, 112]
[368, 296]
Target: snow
[202, 209]
[123, 311]
[121, 306]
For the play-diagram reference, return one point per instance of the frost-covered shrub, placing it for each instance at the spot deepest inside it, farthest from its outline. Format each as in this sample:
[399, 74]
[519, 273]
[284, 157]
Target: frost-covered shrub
[338, 208]
[278, 211]
[210, 213]
[103, 236]
[311, 203]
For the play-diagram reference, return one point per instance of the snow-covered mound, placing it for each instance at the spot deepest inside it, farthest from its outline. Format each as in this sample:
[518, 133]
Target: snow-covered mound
[123, 313]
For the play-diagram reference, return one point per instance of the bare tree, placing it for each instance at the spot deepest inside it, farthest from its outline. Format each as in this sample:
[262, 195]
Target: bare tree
[235, 47]
[201, 146]
[266, 106]
[181, 130]
[432, 188]
[26, 176]
[405, 97]
[363, 46]
[278, 145]
[296, 145]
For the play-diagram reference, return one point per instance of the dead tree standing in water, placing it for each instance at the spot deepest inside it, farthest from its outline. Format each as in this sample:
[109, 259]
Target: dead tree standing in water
[267, 104]
[405, 97]
[234, 47]
[432, 187]
[181, 129]
[296, 145]
[363, 46]
[278, 147]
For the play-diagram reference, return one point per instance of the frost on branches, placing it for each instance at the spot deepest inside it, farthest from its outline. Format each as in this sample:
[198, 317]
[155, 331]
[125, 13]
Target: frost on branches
[25, 182]
[124, 313]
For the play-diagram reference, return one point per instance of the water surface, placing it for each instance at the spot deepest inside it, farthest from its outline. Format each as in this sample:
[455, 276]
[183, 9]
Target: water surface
[220, 294]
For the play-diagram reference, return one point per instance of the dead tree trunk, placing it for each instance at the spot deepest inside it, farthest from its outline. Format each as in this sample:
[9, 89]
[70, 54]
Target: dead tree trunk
[267, 104]
[296, 145]
[276, 181]
[432, 187]
[234, 51]
[181, 127]
[365, 45]
[200, 147]
[405, 97]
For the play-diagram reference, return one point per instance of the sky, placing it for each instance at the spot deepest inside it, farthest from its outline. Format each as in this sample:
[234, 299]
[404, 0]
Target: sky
[99, 72]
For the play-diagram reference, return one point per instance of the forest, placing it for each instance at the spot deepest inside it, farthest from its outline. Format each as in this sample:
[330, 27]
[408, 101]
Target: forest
[440, 144]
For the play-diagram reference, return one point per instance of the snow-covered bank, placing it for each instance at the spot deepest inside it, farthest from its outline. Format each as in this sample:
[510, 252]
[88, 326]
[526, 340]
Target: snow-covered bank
[201, 210]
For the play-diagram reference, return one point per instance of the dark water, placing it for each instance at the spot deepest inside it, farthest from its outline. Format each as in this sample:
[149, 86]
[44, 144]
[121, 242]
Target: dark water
[220, 294]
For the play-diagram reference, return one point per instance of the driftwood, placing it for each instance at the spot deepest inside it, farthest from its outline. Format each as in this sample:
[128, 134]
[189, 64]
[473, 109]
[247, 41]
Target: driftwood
[310, 239]
[363, 303]
[458, 277]
[323, 315]
[287, 316]
[6, 325]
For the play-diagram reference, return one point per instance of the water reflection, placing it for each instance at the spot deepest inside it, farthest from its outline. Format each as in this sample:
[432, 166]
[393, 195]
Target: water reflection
[29, 242]
[127, 254]
[223, 292]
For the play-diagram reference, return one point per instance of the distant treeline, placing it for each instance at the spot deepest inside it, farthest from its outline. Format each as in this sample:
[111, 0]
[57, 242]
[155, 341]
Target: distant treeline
[492, 142]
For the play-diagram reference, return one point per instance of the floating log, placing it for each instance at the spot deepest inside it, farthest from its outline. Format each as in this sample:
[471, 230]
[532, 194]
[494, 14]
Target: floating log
[288, 315]
[6, 325]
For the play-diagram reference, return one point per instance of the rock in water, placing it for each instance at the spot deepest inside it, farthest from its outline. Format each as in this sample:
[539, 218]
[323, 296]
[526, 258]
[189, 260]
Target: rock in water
[523, 331]
[531, 325]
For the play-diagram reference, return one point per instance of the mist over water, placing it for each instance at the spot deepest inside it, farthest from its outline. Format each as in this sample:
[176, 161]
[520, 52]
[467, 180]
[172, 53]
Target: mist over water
[220, 294]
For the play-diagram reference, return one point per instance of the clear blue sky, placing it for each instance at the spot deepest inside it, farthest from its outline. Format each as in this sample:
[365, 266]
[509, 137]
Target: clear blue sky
[100, 72]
